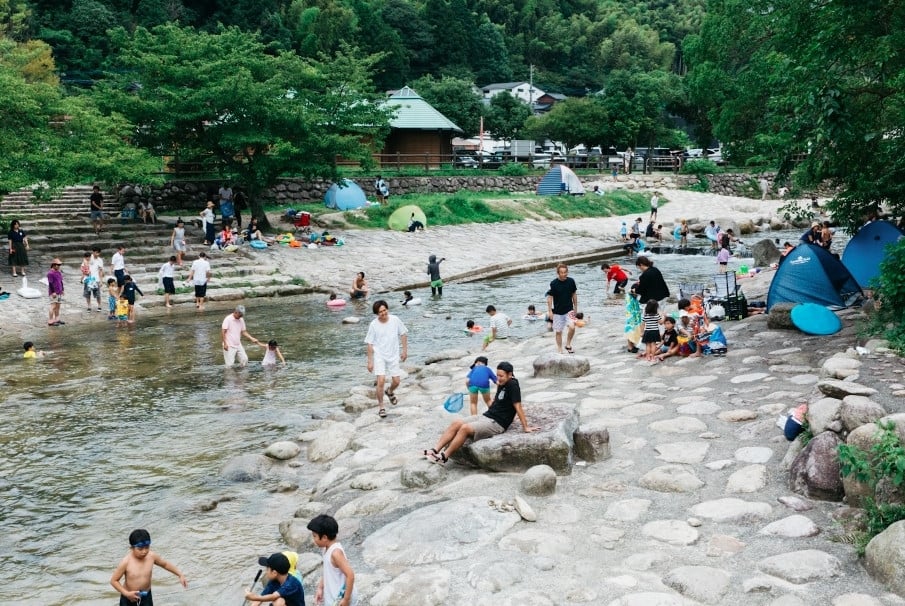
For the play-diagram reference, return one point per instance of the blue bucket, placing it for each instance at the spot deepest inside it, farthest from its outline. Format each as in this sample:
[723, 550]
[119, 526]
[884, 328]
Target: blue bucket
[454, 402]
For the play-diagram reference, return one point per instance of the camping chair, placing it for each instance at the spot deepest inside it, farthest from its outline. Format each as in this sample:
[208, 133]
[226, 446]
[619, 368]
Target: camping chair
[726, 285]
[302, 223]
[686, 290]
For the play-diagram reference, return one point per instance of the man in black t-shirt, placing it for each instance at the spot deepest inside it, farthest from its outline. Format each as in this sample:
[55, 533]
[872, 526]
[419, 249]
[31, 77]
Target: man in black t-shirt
[562, 300]
[97, 209]
[506, 405]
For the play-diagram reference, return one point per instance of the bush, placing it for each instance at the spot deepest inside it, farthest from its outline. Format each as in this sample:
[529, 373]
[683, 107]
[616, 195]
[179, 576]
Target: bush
[513, 169]
[703, 185]
[889, 292]
[886, 460]
[700, 167]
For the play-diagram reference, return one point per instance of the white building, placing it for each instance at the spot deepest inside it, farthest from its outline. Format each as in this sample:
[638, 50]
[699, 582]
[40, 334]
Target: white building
[524, 91]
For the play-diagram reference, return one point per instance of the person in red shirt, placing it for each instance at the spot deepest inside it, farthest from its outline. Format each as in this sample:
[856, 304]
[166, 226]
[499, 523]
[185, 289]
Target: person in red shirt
[614, 273]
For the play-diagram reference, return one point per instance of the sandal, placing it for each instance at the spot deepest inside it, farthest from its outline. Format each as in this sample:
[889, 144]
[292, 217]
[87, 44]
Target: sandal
[569, 349]
[432, 454]
[441, 459]
[382, 413]
[392, 396]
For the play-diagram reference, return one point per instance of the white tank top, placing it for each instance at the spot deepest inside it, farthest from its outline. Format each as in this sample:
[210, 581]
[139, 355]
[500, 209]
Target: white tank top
[334, 579]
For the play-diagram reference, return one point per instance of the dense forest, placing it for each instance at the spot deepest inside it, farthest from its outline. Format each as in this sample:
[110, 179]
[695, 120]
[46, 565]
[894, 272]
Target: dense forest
[101, 89]
[572, 44]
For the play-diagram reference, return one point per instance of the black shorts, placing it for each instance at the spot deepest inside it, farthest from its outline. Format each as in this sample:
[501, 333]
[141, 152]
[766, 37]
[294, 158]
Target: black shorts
[147, 600]
[200, 290]
[651, 336]
[169, 287]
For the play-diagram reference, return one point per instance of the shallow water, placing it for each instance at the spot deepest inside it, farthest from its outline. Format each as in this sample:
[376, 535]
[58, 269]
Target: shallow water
[127, 428]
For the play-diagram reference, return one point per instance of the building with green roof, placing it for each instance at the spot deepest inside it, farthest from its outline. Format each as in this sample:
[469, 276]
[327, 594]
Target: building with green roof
[419, 135]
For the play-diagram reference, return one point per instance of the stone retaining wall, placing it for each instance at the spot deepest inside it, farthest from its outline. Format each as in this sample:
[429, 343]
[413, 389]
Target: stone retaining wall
[193, 194]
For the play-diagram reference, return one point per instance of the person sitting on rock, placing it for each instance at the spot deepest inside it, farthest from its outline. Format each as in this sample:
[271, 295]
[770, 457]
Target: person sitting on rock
[506, 404]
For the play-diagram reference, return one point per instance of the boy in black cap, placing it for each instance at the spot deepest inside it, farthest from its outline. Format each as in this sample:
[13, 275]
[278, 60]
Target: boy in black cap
[282, 588]
[506, 404]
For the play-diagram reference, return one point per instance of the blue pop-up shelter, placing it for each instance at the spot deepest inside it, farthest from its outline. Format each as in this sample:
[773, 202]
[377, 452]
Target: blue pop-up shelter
[867, 249]
[347, 196]
[560, 180]
[809, 274]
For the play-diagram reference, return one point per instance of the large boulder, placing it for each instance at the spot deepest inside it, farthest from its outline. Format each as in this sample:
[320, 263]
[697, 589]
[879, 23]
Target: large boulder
[835, 388]
[840, 367]
[517, 451]
[331, 441]
[245, 468]
[558, 365]
[815, 471]
[765, 253]
[884, 557]
[592, 442]
[822, 413]
[538, 481]
[859, 410]
[780, 317]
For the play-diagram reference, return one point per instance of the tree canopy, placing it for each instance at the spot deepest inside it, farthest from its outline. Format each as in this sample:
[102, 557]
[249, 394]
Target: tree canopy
[219, 101]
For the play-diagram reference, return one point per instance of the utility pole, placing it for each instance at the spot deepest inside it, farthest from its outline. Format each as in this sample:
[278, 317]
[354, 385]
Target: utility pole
[531, 85]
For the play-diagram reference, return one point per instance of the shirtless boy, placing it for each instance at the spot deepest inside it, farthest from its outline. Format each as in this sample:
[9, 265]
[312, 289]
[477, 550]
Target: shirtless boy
[135, 571]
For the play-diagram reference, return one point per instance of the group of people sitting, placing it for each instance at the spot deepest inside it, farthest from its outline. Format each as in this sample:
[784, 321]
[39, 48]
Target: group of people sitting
[229, 237]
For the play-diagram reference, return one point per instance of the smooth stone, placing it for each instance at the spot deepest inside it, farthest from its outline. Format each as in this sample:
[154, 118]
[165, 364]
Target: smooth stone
[698, 408]
[372, 480]
[737, 416]
[674, 532]
[283, 450]
[627, 510]
[671, 478]
[754, 454]
[539, 481]
[884, 557]
[822, 412]
[785, 352]
[682, 452]
[371, 503]
[702, 583]
[536, 542]
[645, 560]
[804, 379]
[558, 365]
[430, 583]
[751, 478]
[794, 526]
[721, 545]
[859, 410]
[795, 503]
[802, 566]
[731, 510]
[330, 442]
[641, 410]
[524, 509]
[748, 378]
[840, 367]
[440, 532]
[495, 577]
[835, 388]
[245, 468]
[366, 457]
[678, 425]
[351, 320]
[694, 381]
[420, 473]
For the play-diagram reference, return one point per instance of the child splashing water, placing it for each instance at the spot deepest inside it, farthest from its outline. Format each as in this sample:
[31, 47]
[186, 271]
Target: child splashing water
[651, 321]
[271, 353]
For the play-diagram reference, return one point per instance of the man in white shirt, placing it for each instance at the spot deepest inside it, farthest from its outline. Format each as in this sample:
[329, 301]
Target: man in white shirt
[118, 264]
[499, 326]
[654, 203]
[231, 332]
[385, 334]
[199, 275]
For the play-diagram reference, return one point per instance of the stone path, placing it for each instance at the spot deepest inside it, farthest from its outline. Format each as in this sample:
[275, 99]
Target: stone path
[693, 507]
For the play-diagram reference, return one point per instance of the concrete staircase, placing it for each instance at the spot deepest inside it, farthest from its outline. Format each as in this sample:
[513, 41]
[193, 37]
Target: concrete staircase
[62, 228]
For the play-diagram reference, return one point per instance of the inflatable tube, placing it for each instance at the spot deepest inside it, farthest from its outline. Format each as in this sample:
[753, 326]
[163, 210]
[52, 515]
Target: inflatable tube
[27, 292]
[815, 319]
[410, 302]
[336, 303]
[258, 244]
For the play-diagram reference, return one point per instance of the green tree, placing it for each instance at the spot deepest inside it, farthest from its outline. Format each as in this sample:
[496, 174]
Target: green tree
[47, 137]
[573, 121]
[506, 116]
[454, 98]
[251, 117]
[786, 81]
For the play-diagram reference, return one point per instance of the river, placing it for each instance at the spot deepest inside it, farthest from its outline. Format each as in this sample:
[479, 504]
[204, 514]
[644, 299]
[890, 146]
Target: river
[124, 428]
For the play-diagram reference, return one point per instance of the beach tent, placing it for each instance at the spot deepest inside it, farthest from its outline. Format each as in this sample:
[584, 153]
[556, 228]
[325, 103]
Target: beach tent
[809, 274]
[559, 180]
[347, 196]
[400, 218]
[867, 249]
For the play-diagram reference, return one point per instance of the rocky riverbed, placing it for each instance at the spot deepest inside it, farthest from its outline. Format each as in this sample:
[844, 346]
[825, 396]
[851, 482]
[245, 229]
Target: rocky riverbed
[693, 505]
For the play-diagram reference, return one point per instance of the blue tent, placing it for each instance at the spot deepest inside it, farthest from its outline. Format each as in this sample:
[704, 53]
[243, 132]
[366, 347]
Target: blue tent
[560, 180]
[809, 274]
[349, 196]
[867, 249]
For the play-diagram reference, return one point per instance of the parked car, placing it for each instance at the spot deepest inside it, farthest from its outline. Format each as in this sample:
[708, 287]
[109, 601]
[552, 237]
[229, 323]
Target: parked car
[466, 162]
